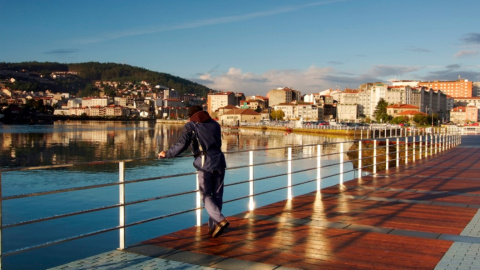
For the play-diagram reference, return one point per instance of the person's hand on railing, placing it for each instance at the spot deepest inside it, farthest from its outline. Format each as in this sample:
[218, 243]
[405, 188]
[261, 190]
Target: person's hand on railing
[161, 154]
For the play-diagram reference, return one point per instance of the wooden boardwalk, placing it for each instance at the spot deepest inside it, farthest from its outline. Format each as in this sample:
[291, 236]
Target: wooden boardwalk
[406, 218]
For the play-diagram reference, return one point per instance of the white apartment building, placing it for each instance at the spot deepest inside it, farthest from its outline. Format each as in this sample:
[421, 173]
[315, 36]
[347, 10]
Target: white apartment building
[219, 100]
[288, 109]
[74, 103]
[93, 101]
[347, 112]
[305, 111]
[121, 101]
[309, 112]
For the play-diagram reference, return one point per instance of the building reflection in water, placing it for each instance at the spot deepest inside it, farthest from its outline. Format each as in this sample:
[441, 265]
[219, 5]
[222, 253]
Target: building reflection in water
[86, 141]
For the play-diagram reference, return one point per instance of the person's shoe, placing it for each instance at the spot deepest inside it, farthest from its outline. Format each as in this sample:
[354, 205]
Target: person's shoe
[220, 228]
[210, 230]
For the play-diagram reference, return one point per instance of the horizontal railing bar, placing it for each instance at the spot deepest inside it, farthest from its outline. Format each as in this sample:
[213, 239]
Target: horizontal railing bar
[95, 209]
[59, 241]
[42, 193]
[11, 225]
[34, 194]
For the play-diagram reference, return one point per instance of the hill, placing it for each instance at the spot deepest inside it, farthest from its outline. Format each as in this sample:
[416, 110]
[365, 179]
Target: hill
[35, 76]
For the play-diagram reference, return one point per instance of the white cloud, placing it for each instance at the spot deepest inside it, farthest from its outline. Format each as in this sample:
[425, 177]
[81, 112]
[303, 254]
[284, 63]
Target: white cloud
[311, 80]
[307, 81]
[465, 53]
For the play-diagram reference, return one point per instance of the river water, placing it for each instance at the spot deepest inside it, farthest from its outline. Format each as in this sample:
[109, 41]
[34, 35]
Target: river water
[90, 141]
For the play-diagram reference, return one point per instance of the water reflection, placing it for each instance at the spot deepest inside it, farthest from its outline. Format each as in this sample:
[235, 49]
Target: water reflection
[86, 141]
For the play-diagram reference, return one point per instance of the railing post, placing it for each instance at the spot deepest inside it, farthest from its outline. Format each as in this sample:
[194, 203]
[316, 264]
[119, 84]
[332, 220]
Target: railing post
[413, 147]
[198, 199]
[435, 140]
[121, 189]
[440, 140]
[319, 167]
[289, 174]
[443, 142]
[360, 156]
[251, 204]
[426, 146]
[406, 150]
[420, 147]
[374, 156]
[431, 144]
[387, 153]
[341, 164]
[398, 152]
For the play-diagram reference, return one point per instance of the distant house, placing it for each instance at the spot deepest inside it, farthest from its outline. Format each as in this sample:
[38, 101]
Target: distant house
[464, 114]
[236, 116]
[222, 110]
[398, 109]
[116, 110]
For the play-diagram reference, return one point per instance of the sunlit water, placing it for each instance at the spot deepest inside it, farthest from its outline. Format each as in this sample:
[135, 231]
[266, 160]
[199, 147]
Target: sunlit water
[81, 142]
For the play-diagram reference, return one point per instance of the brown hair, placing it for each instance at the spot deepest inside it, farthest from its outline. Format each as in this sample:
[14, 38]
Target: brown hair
[194, 109]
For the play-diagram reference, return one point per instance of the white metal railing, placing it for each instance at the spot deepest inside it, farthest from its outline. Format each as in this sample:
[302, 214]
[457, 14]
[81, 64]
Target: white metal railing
[415, 147]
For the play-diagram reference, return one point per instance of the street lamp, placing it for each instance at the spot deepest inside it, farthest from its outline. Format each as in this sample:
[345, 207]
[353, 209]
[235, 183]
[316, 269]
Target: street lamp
[431, 111]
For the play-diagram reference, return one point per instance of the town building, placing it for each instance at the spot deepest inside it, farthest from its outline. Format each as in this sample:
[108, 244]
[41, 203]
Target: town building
[219, 100]
[235, 117]
[255, 103]
[173, 103]
[459, 88]
[261, 100]
[116, 111]
[74, 103]
[171, 93]
[472, 113]
[297, 111]
[93, 101]
[458, 115]
[476, 89]
[399, 109]
[463, 115]
[347, 105]
[121, 101]
[347, 112]
[466, 101]
[282, 95]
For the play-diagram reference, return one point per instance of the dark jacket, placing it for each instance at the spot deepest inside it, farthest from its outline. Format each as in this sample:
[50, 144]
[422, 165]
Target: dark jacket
[206, 131]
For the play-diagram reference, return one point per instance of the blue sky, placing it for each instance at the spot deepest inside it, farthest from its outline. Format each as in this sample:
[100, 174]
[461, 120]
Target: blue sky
[254, 46]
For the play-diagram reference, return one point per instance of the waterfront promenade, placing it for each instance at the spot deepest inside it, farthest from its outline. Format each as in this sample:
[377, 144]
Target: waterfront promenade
[420, 216]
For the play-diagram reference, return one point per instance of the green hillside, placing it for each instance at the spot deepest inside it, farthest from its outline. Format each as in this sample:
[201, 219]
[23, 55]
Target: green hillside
[35, 76]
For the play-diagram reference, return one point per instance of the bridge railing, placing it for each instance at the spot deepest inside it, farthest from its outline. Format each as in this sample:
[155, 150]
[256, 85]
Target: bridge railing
[364, 157]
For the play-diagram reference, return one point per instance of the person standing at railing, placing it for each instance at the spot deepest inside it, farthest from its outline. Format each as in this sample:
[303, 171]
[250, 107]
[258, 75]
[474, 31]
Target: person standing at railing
[203, 136]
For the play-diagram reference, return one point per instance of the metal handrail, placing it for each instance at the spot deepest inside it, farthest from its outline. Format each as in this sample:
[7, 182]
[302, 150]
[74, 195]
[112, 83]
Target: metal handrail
[434, 146]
